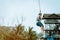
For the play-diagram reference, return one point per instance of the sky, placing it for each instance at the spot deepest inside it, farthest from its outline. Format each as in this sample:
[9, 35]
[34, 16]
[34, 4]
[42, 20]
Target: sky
[13, 11]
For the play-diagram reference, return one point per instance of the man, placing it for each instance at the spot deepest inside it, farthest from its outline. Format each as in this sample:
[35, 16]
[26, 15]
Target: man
[50, 36]
[39, 21]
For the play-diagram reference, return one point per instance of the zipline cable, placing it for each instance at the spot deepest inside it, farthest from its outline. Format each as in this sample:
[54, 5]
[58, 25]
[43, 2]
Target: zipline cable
[39, 6]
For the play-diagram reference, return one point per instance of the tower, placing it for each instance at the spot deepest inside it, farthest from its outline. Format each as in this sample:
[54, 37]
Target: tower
[52, 25]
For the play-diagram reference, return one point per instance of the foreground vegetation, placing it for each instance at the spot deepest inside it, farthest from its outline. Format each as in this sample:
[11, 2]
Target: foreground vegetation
[17, 33]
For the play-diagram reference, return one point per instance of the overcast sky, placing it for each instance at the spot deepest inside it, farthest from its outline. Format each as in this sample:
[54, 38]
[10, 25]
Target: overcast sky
[12, 11]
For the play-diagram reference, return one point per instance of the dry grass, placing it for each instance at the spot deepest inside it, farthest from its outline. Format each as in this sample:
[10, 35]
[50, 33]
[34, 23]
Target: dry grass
[17, 33]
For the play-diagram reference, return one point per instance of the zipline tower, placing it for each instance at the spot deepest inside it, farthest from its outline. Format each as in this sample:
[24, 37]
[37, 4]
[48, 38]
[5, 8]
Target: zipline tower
[52, 25]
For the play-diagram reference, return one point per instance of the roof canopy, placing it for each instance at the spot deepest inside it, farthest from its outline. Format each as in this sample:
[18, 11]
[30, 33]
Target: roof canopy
[51, 16]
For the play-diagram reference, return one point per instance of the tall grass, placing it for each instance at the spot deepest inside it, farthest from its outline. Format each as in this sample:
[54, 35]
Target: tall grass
[17, 33]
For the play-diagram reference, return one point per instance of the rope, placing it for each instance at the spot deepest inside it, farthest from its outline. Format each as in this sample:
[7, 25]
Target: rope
[39, 6]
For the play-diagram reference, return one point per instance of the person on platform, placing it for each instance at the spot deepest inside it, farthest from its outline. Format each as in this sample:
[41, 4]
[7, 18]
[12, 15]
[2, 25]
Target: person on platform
[50, 36]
